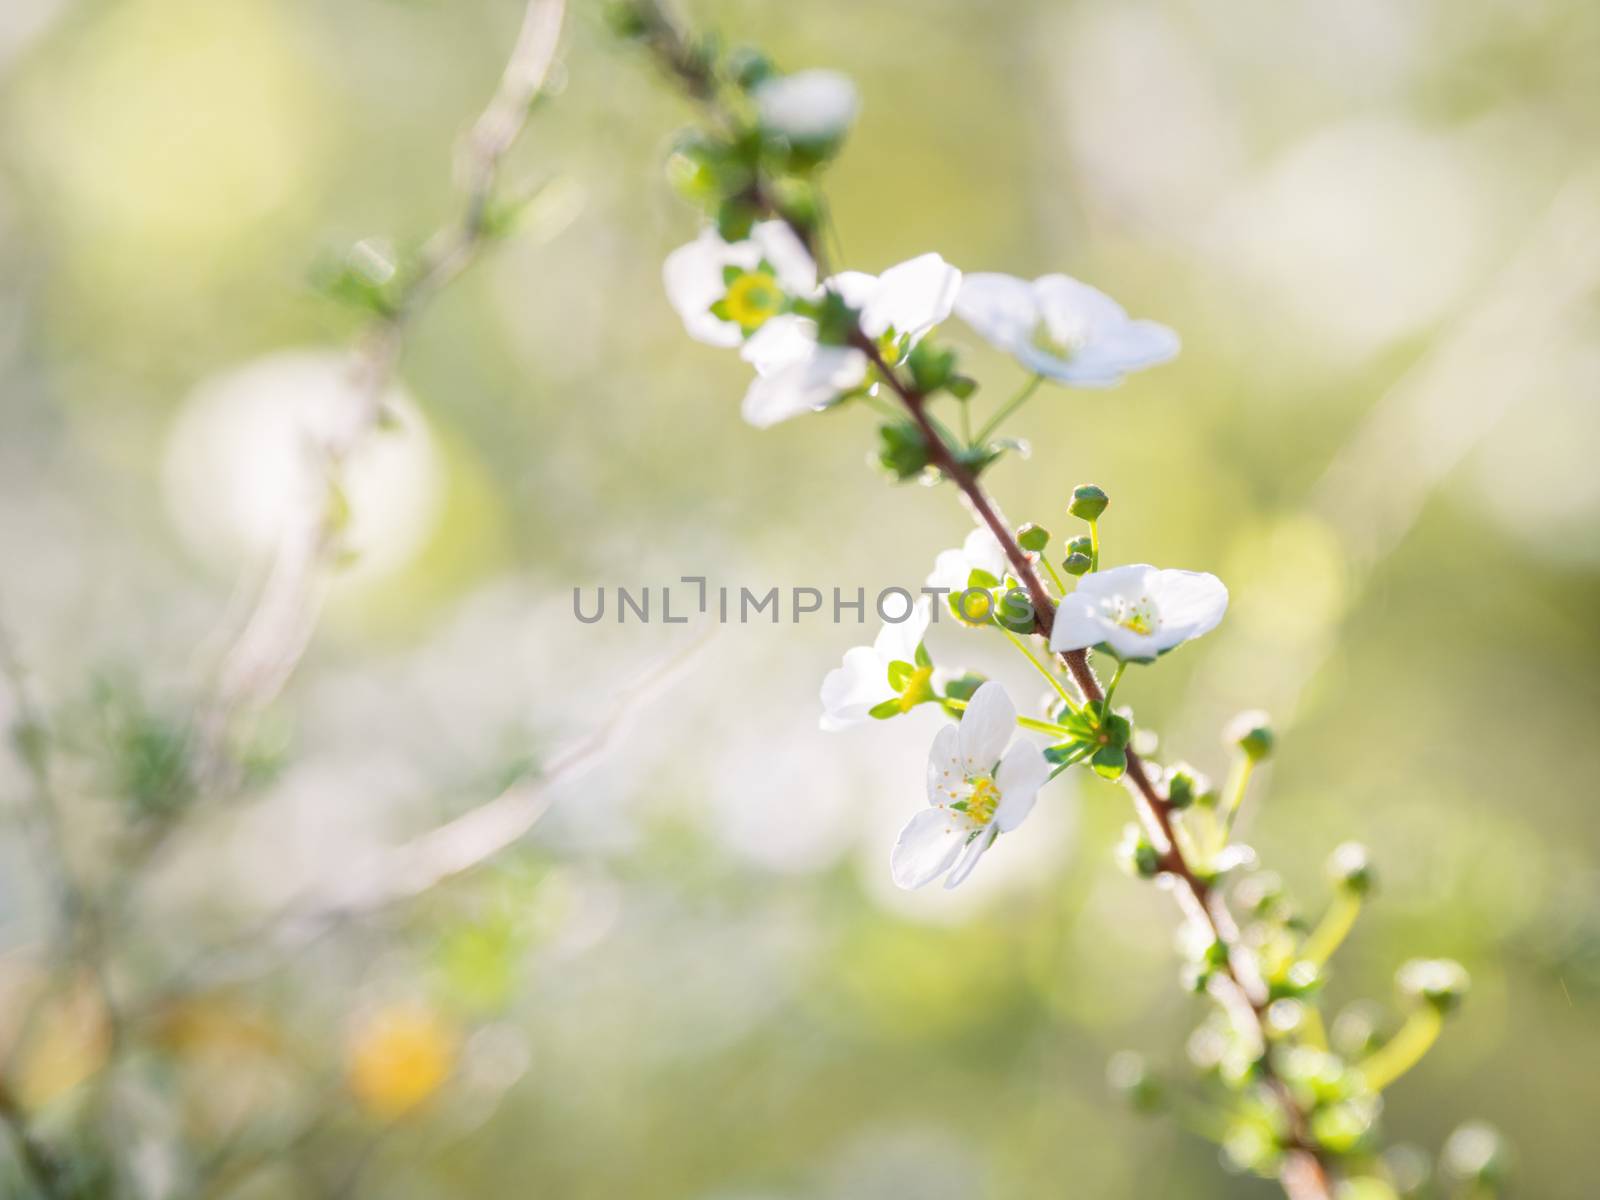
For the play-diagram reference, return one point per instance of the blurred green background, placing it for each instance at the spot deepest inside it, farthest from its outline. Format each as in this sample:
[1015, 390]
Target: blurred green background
[1376, 225]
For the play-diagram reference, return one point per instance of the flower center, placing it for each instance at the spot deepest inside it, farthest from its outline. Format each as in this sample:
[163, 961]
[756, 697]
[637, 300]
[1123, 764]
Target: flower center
[1141, 616]
[917, 689]
[1048, 341]
[751, 299]
[983, 800]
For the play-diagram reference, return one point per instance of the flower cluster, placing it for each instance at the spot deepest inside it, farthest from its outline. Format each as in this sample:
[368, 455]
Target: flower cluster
[1292, 1105]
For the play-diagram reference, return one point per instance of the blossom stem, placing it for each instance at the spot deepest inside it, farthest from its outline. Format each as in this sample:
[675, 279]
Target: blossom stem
[1111, 688]
[1094, 546]
[1405, 1049]
[1050, 676]
[1044, 559]
[1009, 407]
[1238, 783]
[1032, 723]
[1334, 927]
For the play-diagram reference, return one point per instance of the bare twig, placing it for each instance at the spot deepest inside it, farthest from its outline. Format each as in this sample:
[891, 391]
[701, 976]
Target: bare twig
[273, 637]
[397, 873]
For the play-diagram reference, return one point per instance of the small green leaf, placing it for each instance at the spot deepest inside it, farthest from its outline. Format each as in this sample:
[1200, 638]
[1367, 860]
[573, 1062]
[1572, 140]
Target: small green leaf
[902, 450]
[1109, 762]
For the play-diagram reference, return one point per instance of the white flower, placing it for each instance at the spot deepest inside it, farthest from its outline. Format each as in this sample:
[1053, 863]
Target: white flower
[808, 107]
[980, 563]
[850, 692]
[1138, 612]
[974, 794]
[746, 283]
[796, 374]
[1062, 329]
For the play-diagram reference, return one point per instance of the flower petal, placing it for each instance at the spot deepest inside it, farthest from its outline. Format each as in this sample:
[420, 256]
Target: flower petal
[912, 297]
[804, 386]
[787, 254]
[1023, 771]
[1000, 308]
[970, 854]
[1191, 603]
[1078, 624]
[850, 691]
[983, 553]
[898, 642]
[926, 847]
[986, 728]
[946, 775]
[817, 105]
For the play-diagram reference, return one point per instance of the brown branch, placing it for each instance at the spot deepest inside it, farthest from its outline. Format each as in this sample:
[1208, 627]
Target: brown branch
[1242, 991]
[1303, 1173]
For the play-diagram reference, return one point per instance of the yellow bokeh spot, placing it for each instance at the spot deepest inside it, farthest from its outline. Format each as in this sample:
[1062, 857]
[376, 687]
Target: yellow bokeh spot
[397, 1058]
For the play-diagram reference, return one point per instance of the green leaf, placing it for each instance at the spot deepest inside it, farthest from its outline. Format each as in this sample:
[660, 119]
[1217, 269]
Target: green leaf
[930, 367]
[1109, 762]
[902, 450]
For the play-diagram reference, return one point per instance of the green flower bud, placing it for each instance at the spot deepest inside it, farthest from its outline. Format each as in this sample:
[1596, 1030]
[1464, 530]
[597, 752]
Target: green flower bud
[1252, 733]
[1349, 868]
[1077, 564]
[1136, 855]
[1088, 502]
[1441, 982]
[1033, 537]
[1185, 785]
[1130, 1077]
[1476, 1153]
[747, 66]
[1082, 544]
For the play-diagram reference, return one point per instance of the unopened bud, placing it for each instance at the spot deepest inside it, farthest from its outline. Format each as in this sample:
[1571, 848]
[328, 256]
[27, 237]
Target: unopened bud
[1088, 502]
[1185, 785]
[1130, 1077]
[1251, 732]
[1033, 537]
[1136, 855]
[1350, 869]
[1077, 564]
[1441, 982]
[1476, 1153]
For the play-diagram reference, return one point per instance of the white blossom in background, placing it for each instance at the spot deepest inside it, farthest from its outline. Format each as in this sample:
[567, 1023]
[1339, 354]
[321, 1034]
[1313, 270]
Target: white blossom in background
[978, 562]
[796, 374]
[977, 790]
[245, 464]
[851, 691]
[747, 283]
[808, 107]
[1062, 329]
[1138, 612]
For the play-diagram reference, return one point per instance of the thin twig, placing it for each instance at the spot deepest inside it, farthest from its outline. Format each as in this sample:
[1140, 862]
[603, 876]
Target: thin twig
[273, 637]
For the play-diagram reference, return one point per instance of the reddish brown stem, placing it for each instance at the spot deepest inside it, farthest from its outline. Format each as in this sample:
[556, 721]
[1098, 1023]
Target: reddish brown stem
[1303, 1174]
